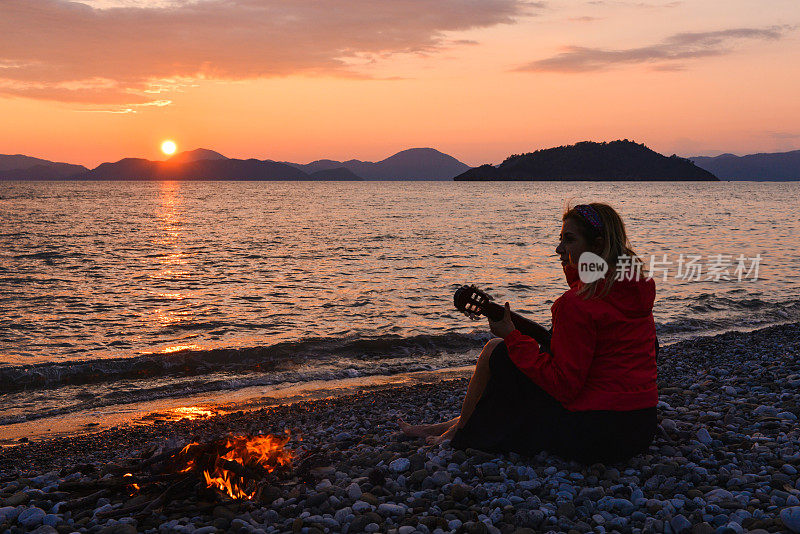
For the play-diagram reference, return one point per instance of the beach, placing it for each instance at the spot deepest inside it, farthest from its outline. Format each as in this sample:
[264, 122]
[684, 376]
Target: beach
[252, 253]
[724, 460]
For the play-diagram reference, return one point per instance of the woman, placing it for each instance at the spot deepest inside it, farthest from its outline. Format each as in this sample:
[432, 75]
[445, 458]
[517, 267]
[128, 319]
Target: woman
[593, 398]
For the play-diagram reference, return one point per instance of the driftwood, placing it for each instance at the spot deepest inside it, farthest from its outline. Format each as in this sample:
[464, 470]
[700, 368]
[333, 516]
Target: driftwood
[161, 499]
[144, 464]
[113, 483]
[81, 501]
[124, 511]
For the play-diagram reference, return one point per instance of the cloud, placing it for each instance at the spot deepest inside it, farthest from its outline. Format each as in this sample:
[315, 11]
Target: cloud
[73, 52]
[666, 55]
[784, 135]
[646, 5]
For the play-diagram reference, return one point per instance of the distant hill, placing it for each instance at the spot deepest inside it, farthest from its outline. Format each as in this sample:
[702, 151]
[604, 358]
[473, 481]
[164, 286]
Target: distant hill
[411, 164]
[617, 160]
[201, 169]
[201, 164]
[196, 155]
[19, 167]
[777, 166]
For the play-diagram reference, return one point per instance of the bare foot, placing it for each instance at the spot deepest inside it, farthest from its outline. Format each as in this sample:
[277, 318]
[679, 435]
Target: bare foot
[446, 436]
[418, 431]
[424, 431]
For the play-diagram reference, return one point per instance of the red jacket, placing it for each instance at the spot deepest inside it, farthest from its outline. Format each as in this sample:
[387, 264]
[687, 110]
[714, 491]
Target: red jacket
[603, 349]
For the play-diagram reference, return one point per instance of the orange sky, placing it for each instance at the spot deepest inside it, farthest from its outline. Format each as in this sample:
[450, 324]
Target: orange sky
[296, 81]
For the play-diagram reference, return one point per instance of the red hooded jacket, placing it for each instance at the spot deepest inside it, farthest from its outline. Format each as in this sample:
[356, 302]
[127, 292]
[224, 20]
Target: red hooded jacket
[603, 348]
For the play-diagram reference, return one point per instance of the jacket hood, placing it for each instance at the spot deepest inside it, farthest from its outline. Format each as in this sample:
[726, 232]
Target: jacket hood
[634, 298]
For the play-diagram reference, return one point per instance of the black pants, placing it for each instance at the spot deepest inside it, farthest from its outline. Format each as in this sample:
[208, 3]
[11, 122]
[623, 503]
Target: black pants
[514, 414]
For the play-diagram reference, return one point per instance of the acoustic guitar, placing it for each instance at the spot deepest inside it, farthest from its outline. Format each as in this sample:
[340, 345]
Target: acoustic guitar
[474, 302]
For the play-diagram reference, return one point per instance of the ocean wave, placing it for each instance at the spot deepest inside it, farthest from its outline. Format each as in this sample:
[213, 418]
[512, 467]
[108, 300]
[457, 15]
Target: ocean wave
[47, 255]
[708, 312]
[74, 399]
[187, 363]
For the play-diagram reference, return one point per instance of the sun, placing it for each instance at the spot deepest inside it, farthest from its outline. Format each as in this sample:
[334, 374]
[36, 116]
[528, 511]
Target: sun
[168, 147]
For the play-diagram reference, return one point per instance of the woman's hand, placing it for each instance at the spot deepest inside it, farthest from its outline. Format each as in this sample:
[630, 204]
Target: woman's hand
[504, 326]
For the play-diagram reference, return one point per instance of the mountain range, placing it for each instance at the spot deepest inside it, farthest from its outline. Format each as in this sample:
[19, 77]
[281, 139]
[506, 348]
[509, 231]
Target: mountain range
[778, 167]
[19, 167]
[201, 164]
[412, 164]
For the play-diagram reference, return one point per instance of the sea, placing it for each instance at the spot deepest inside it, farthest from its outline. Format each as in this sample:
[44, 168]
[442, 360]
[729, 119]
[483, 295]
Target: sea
[126, 302]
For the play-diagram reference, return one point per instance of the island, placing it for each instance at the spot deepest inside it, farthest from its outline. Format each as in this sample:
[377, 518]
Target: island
[620, 160]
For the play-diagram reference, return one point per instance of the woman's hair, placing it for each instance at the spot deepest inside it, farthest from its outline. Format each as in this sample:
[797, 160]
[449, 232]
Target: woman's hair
[601, 220]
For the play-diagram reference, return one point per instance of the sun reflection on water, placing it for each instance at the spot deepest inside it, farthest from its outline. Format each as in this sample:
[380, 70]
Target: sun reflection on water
[178, 348]
[173, 262]
[190, 412]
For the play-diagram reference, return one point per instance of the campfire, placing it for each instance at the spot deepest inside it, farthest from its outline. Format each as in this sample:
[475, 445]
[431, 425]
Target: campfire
[238, 464]
[234, 470]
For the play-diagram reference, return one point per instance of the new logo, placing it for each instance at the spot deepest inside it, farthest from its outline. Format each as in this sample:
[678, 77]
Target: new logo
[591, 267]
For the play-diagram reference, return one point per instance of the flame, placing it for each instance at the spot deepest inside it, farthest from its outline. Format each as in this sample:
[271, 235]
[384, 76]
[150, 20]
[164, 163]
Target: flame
[133, 487]
[225, 483]
[190, 463]
[264, 452]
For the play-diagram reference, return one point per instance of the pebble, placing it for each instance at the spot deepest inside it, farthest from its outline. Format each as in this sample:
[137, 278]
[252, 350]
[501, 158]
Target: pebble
[400, 465]
[726, 462]
[8, 513]
[31, 517]
[704, 437]
[124, 528]
[440, 478]
[361, 506]
[719, 495]
[454, 524]
[16, 499]
[680, 525]
[354, 491]
[391, 509]
[790, 517]
[51, 520]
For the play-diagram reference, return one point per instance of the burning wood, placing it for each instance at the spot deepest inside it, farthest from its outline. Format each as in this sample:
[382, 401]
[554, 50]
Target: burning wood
[232, 469]
[237, 464]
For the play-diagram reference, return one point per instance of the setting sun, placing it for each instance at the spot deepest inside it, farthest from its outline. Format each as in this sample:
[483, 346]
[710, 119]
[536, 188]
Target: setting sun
[168, 147]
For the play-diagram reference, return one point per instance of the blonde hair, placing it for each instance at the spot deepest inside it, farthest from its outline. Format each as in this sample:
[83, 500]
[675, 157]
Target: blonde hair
[615, 244]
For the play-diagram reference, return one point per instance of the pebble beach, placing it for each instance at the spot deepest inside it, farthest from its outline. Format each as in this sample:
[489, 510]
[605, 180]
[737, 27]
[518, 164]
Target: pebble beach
[725, 460]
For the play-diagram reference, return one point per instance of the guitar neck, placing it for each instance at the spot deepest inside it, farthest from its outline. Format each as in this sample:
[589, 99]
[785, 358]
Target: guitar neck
[525, 326]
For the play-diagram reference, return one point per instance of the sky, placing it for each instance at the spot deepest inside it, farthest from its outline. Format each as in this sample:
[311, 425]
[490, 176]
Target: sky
[297, 80]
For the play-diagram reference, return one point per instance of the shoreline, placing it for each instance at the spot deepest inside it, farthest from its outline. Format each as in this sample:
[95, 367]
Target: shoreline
[243, 397]
[726, 460]
[208, 404]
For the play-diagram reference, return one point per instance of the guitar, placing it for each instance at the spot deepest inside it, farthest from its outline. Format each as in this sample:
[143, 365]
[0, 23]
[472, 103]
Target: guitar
[473, 303]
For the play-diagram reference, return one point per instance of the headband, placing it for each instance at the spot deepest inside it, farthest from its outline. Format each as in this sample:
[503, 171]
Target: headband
[590, 214]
